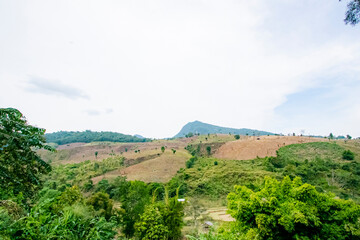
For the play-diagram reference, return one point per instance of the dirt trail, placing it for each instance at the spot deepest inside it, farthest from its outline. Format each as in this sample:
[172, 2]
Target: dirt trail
[246, 149]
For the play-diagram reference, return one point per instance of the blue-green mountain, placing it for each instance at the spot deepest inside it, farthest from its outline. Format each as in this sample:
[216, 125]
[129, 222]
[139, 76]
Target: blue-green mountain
[201, 128]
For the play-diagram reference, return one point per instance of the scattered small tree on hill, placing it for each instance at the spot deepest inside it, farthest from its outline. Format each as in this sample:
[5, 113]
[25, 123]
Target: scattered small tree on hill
[348, 155]
[189, 135]
[208, 150]
[174, 151]
[331, 136]
[237, 136]
[162, 149]
[96, 154]
[348, 137]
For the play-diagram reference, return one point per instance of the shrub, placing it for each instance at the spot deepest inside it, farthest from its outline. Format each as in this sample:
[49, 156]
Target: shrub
[292, 210]
[348, 155]
[102, 204]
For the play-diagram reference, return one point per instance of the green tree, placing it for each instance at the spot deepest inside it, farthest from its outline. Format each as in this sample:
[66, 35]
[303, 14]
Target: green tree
[134, 202]
[331, 136]
[102, 204]
[348, 137]
[237, 136]
[292, 210]
[20, 166]
[348, 155]
[208, 150]
[151, 224]
[352, 14]
[162, 149]
[189, 135]
[96, 154]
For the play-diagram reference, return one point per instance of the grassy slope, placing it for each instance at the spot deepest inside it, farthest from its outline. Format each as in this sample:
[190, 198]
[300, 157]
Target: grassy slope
[207, 180]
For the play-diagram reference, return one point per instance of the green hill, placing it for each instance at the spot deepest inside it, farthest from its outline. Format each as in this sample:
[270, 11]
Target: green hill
[201, 128]
[65, 137]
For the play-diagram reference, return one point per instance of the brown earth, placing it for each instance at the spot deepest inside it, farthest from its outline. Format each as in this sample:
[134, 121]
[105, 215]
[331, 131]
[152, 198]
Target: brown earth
[252, 147]
[159, 169]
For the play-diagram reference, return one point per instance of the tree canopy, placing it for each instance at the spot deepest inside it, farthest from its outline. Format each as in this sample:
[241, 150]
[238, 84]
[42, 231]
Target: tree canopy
[65, 137]
[352, 14]
[20, 166]
[292, 210]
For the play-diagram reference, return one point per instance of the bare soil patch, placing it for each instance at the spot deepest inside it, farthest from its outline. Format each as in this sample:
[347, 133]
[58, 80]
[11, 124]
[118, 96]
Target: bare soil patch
[159, 169]
[252, 147]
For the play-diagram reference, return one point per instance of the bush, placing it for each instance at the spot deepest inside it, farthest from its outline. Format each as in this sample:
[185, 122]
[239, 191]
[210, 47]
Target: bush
[102, 204]
[190, 163]
[348, 155]
[292, 210]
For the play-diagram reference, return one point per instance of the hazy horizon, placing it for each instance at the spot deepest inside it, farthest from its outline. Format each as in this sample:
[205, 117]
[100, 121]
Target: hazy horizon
[149, 68]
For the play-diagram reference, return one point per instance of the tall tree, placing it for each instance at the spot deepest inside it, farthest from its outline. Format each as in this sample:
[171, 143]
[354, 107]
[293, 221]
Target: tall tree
[20, 166]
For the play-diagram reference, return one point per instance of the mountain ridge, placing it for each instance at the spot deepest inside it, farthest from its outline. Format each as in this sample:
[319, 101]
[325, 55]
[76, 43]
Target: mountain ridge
[197, 127]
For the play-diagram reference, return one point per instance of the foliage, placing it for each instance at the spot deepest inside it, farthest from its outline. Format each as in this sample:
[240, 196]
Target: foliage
[151, 224]
[102, 204]
[60, 216]
[214, 181]
[162, 149]
[20, 166]
[190, 163]
[348, 155]
[189, 135]
[173, 214]
[237, 136]
[162, 220]
[320, 164]
[134, 202]
[352, 14]
[208, 150]
[65, 137]
[292, 210]
[77, 173]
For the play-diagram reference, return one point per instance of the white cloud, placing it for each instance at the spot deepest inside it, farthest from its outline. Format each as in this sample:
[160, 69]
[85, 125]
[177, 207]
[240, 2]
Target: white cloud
[159, 64]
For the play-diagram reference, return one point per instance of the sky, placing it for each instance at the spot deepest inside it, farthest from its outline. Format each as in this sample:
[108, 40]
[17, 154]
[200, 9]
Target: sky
[149, 67]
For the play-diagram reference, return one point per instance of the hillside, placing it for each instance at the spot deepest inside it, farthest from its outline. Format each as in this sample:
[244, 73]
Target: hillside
[201, 128]
[65, 137]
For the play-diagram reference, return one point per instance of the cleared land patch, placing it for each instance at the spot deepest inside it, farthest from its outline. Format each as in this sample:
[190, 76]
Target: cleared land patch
[250, 148]
[159, 169]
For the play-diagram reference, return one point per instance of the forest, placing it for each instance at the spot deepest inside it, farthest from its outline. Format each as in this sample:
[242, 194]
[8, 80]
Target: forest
[65, 137]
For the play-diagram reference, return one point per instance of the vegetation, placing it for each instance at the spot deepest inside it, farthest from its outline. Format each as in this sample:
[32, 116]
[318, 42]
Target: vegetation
[204, 129]
[283, 197]
[292, 210]
[65, 137]
[20, 166]
[352, 14]
[348, 155]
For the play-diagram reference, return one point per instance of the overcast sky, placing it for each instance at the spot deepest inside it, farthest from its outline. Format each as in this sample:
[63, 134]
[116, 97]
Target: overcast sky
[149, 67]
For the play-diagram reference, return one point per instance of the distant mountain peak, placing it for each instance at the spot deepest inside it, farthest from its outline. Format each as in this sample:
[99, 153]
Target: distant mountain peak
[198, 127]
